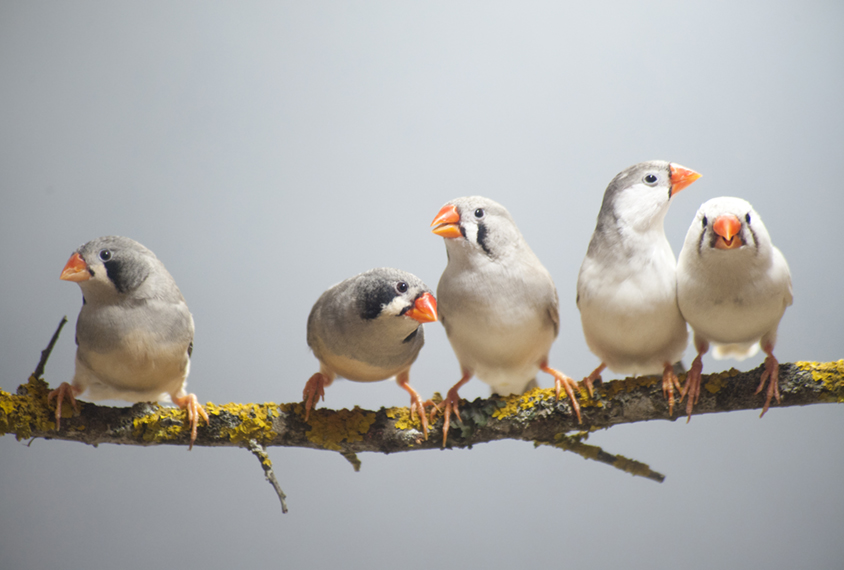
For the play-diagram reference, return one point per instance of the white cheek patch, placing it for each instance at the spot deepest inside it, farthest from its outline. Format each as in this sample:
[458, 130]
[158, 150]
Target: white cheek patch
[394, 307]
[471, 231]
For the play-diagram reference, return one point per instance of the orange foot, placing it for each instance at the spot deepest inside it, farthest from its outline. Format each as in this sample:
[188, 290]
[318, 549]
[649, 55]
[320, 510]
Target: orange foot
[669, 382]
[64, 392]
[692, 387]
[416, 403]
[189, 402]
[596, 375]
[450, 404]
[562, 381]
[772, 375]
[314, 391]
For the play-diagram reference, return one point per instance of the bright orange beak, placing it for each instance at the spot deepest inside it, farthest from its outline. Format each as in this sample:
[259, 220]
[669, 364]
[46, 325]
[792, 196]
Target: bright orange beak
[447, 222]
[681, 177]
[75, 269]
[727, 227]
[424, 309]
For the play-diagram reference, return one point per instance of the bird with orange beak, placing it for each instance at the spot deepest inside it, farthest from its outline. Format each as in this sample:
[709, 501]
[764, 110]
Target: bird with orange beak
[369, 328]
[134, 333]
[498, 303]
[626, 288]
[733, 287]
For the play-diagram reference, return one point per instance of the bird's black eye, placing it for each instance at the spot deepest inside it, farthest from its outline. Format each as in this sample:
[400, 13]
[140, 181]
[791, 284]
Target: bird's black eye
[105, 254]
[705, 221]
[747, 217]
[401, 287]
[479, 213]
[650, 179]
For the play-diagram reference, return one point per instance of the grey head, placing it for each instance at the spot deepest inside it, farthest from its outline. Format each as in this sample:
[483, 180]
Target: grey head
[485, 226]
[372, 313]
[116, 268]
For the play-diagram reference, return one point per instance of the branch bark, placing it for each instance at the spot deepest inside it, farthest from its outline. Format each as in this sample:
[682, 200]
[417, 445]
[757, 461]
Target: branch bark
[535, 417]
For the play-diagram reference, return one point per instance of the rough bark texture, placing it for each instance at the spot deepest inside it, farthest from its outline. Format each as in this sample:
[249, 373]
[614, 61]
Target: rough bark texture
[534, 416]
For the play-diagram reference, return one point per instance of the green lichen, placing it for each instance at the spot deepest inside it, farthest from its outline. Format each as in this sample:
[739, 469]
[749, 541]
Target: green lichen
[717, 381]
[574, 443]
[251, 421]
[831, 374]
[330, 428]
[632, 466]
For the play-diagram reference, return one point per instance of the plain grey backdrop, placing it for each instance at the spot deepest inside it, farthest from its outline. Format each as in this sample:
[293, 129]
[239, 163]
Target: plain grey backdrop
[265, 151]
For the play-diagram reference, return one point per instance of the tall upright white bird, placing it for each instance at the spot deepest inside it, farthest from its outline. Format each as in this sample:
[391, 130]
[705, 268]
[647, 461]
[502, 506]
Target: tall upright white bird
[497, 302]
[134, 333]
[626, 288]
[369, 328]
[733, 287]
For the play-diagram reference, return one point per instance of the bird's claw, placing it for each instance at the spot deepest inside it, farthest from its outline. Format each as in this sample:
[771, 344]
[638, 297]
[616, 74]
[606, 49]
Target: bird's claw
[692, 387]
[771, 375]
[450, 405]
[669, 382]
[64, 392]
[313, 392]
[561, 381]
[194, 409]
[595, 376]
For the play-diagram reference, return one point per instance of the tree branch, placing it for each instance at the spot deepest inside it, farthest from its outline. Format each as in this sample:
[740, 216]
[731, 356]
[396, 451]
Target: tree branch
[534, 416]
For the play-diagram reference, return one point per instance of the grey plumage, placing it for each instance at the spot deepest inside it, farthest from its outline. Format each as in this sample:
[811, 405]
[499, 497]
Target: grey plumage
[369, 328]
[497, 302]
[381, 346]
[134, 332]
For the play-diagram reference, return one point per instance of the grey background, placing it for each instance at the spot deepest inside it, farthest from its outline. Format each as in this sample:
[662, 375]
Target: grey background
[265, 151]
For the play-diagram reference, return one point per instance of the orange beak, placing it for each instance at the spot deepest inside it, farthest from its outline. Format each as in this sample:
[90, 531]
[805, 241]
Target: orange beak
[447, 222]
[681, 177]
[727, 227]
[424, 309]
[75, 269]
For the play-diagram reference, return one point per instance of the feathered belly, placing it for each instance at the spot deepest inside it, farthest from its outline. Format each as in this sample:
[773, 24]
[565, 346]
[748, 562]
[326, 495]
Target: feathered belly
[635, 339]
[133, 371]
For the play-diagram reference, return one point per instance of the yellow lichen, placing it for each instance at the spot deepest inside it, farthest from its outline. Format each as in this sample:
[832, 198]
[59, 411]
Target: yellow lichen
[164, 424]
[516, 403]
[717, 381]
[403, 419]
[830, 373]
[330, 428]
[255, 421]
[27, 410]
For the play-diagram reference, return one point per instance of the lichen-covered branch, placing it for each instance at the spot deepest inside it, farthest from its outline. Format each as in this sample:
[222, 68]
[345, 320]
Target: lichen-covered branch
[534, 417]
